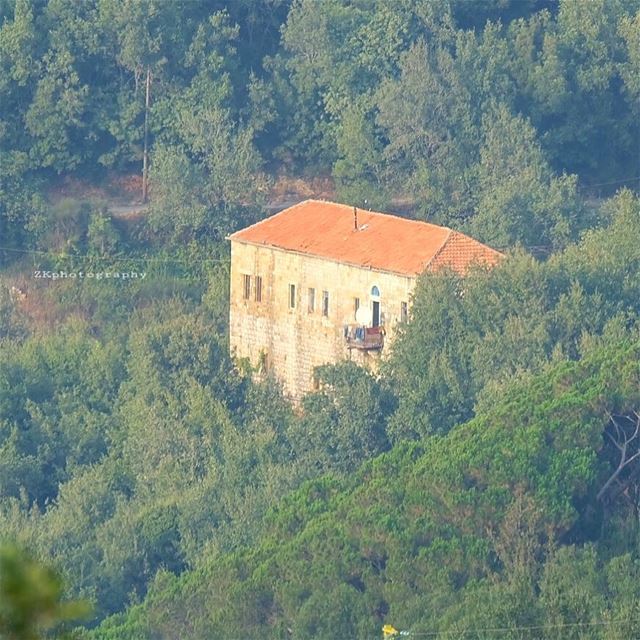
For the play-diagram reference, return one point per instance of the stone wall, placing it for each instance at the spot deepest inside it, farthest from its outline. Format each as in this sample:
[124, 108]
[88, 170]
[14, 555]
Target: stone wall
[292, 341]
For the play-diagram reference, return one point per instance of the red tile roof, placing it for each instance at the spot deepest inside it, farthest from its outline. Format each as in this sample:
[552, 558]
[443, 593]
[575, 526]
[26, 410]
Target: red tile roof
[382, 241]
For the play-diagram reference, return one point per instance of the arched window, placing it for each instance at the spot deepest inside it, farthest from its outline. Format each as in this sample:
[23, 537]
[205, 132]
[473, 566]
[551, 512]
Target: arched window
[375, 306]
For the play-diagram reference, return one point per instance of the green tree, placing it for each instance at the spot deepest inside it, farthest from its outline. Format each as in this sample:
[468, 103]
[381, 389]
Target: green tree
[431, 115]
[213, 188]
[55, 116]
[468, 336]
[359, 170]
[178, 208]
[344, 423]
[31, 598]
[459, 531]
[520, 201]
[19, 51]
[568, 71]
[628, 28]
[102, 235]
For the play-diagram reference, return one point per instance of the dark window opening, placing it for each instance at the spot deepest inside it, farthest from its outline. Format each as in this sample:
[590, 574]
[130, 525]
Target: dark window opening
[246, 286]
[325, 303]
[258, 290]
[292, 296]
[375, 321]
[356, 305]
[404, 312]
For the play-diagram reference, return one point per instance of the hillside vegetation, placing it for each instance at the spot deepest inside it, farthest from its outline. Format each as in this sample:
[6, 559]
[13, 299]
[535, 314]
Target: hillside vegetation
[485, 484]
[493, 525]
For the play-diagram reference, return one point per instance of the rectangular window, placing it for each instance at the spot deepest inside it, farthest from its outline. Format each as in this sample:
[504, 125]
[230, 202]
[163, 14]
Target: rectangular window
[246, 286]
[325, 303]
[356, 305]
[258, 291]
[292, 296]
[404, 312]
[312, 300]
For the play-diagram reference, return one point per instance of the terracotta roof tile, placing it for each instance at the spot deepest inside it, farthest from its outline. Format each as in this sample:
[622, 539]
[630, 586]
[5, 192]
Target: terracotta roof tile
[382, 241]
[460, 252]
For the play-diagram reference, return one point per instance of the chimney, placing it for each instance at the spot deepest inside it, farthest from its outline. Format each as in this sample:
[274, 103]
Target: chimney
[355, 219]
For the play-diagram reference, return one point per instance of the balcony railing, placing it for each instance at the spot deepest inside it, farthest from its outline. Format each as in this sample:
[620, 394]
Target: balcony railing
[364, 338]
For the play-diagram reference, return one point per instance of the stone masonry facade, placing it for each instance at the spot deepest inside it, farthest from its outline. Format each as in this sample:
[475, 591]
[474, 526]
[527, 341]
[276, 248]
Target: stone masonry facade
[291, 337]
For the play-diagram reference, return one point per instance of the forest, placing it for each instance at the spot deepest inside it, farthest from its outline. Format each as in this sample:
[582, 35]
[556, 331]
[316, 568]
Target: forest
[484, 485]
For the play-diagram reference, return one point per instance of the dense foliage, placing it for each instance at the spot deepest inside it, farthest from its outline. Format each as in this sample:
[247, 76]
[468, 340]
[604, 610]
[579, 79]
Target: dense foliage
[483, 114]
[484, 482]
[473, 530]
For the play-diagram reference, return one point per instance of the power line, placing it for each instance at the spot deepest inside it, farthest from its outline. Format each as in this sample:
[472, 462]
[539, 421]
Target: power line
[606, 184]
[535, 247]
[566, 625]
[114, 258]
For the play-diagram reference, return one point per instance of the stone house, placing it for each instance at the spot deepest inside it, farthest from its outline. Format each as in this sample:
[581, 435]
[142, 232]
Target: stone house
[322, 282]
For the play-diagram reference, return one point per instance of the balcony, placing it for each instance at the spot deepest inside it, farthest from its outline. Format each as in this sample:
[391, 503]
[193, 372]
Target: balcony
[364, 338]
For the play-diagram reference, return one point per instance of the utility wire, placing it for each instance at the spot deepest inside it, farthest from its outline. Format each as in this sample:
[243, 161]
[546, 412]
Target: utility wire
[536, 247]
[443, 634]
[606, 184]
[114, 258]
[567, 625]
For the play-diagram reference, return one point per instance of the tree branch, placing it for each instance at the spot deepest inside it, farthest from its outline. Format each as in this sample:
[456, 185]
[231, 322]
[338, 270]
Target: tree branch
[621, 439]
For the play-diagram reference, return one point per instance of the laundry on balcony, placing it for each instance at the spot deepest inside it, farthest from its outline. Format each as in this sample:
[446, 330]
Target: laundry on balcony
[364, 338]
